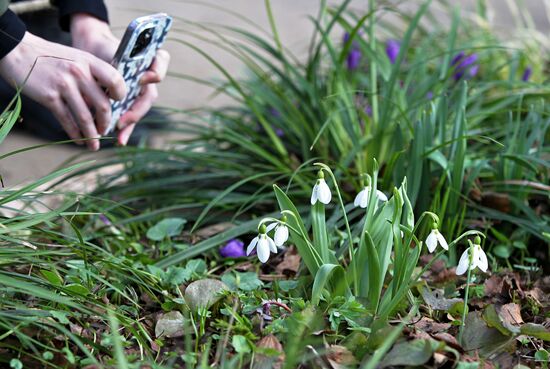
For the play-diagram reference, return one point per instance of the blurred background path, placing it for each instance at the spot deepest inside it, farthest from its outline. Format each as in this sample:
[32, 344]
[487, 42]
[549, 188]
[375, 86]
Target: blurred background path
[295, 30]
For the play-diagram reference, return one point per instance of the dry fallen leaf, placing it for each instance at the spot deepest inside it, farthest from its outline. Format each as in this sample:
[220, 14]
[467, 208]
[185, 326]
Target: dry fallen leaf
[339, 357]
[510, 314]
[430, 326]
[436, 299]
[269, 361]
[291, 262]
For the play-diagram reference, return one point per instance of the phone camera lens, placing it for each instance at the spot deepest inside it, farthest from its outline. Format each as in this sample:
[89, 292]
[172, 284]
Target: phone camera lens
[143, 40]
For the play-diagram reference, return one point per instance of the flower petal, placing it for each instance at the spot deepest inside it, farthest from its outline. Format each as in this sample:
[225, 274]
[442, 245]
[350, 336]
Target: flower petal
[324, 192]
[314, 194]
[252, 244]
[463, 263]
[365, 199]
[263, 249]
[482, 262]
[270, 227]
[442, 241]
[358, 199]
[281, 235]
[381, 196]
[272, 246]
[431, 241]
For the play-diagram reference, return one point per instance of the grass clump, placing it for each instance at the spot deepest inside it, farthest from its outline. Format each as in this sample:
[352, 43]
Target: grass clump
[427, 129]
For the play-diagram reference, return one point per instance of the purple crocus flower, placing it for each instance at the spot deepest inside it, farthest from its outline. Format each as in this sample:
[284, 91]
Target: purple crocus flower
[527, 74]
[105, 220]
[392, 50]
[274, 112]
[465, 65]
[354, 56]
[368, 110]
[233, 249]
[354, 59]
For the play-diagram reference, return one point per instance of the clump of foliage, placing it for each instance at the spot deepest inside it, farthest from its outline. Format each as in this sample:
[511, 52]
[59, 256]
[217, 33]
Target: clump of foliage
[457, 122]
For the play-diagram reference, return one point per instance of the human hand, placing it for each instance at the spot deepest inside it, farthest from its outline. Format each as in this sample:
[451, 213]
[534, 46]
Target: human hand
[69, 82]
[93, 35]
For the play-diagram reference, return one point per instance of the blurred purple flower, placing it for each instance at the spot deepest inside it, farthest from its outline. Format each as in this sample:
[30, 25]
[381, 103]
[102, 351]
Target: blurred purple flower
[105, 220]
[368, 110]
[233, 249]
[274, 112]
[354, 59]
[465, 65]
[527, 74]
[429, 95]
[354, 56]
[392, 50]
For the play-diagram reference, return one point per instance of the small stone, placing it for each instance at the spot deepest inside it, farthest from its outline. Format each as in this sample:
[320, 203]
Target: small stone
[204, 293]
[169, 325]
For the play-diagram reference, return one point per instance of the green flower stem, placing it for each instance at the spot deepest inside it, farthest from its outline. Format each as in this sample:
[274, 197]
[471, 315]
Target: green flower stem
[466, 293]
[373, 69]
[316, 255]
[348, 229]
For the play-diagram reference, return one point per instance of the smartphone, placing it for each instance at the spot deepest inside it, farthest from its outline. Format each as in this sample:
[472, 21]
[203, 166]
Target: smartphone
[135, 54]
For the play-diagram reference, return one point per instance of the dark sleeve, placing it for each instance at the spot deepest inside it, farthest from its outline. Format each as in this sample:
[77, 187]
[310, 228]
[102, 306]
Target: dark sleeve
[12, 30]
[67, 8]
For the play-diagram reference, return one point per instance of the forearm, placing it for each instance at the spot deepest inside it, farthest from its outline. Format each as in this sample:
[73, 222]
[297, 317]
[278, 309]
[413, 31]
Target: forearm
[12, 30]
[68, 8]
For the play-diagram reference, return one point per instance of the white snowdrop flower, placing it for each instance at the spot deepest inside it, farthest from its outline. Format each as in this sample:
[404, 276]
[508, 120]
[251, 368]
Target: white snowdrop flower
[281, 232]
[263, 245]
[434, 238]
[478, 258]
[281, 235]
[362, 198]
[321, 191]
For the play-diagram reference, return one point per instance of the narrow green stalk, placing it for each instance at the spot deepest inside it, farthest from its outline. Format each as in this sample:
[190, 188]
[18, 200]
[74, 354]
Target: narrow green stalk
[348, 229]
[373, 69]
[276, 37]
[314, 252]
[465, 310]
[117, 342]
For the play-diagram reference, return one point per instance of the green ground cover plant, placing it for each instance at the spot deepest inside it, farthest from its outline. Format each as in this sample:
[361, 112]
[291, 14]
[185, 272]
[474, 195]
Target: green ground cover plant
[398, 135]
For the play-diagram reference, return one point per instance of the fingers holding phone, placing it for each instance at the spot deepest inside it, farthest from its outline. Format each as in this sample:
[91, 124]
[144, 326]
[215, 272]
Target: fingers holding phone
[158, 70]
[65, 80]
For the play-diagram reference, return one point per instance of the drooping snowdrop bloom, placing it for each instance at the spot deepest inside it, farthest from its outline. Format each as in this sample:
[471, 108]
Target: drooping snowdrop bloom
[263, 245]
[281, 232]
[434, 238]
[321, 191]
[473, 257]
[362, 198]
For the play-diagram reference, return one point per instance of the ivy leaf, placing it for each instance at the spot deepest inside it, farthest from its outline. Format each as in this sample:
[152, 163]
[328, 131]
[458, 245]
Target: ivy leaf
[177, 275]
[61, 316]
[166, 228]
[53, 277]
[242, 281]
[240, 344]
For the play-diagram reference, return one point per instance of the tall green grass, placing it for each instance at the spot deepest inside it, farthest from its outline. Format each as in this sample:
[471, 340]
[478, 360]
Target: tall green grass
[475, 151]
